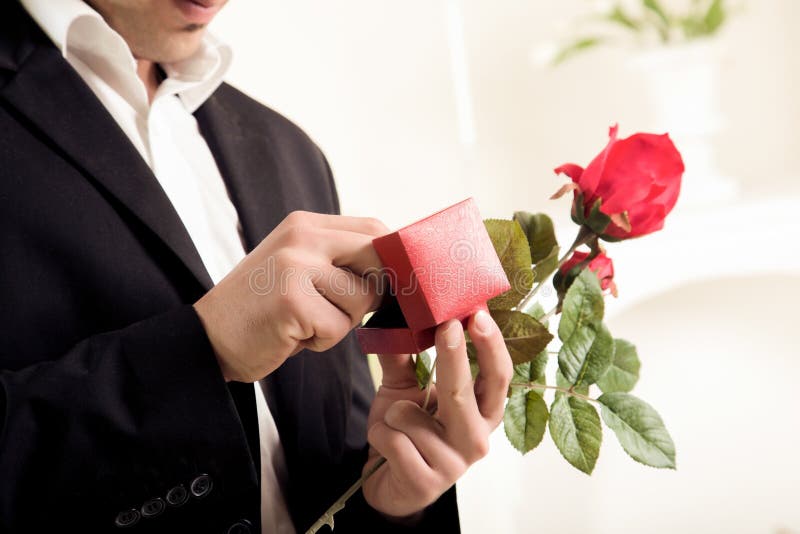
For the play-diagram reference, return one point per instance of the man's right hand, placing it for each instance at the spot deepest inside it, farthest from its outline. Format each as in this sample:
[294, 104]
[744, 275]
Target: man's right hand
[305, 286]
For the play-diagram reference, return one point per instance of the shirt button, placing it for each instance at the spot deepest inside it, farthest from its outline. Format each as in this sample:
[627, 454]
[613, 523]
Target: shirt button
[177, 496]
[201, 486]
[153, 507]
[243, 526]
[127, 518]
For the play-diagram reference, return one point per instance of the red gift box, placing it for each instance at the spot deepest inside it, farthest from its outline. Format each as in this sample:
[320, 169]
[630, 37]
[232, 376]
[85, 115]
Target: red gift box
[440, 268]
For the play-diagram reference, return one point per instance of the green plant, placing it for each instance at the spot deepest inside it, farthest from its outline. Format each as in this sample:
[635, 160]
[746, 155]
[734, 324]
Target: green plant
[651, 20]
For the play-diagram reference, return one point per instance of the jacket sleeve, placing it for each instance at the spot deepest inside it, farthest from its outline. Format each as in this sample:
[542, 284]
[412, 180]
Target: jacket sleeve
[134, 427]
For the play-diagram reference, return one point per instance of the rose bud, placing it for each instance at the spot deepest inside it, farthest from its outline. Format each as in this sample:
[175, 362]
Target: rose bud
[629, 188]
[601, 265]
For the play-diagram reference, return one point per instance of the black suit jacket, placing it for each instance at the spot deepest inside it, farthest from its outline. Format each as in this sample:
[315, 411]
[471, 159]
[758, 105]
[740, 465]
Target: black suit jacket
[112, 405]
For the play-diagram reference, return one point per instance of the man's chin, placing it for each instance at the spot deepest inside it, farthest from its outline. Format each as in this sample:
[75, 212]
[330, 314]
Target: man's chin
[177, 48]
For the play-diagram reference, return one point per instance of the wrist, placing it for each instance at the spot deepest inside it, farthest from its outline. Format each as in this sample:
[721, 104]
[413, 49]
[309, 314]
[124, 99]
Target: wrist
[204, 314]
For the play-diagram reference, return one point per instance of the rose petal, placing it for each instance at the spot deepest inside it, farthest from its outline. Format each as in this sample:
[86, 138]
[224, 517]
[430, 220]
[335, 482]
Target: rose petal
[571, 170]
[632, 168]
[594, 171]
[648, 221]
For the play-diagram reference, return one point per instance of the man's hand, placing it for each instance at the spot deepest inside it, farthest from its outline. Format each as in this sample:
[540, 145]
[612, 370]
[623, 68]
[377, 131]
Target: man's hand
[427, 453]
[305, 286]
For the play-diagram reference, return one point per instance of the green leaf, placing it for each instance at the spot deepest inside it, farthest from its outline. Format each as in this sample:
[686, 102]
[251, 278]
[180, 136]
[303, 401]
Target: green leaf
[512, 248]
[623, 373]
[532, 371]
[538, 228]
[655, 7]
[564, 383]
[598, 359]
[576, 431]
[525, 420]
[619, 16]
[422, 368]
[581, 317]
[576, 47]
[545, 268]
[537, 312]
[525, 337]
[714, 17]
[639, 429]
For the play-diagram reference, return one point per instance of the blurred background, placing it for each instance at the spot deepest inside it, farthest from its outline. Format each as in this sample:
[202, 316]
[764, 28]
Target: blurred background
[422, 103]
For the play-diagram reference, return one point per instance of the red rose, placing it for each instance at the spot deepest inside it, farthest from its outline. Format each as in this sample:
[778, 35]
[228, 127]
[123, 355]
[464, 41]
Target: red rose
[601, 265]
[636, 180]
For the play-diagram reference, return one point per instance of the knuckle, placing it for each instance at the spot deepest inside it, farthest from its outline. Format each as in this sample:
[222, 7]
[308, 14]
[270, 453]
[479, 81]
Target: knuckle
[459, 398]
[296, 218]
[329, 333]
[399, 413]
[375, 435]
[375, 226]
[478, 446]
[297, 236]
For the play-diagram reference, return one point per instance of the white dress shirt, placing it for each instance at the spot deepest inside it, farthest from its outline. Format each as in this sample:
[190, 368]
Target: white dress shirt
[167, 136]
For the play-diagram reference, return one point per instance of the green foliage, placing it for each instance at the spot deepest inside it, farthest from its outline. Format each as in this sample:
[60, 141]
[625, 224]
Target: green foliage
[618, 15]
[598, 360]
[525, 337]
[531, 372]
[623, 373]
[512, 248]
[576, 431]
[705, 22]
[564, 383]
[579, 330]
[662, 21]
[589, 354]
[422, 369]
[538, 228]
[575, 47]
[703, 18]
[639, 429]
[525, 420]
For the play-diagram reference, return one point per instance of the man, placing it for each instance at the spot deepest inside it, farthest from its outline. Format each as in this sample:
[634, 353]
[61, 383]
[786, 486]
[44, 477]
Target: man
[146, 383]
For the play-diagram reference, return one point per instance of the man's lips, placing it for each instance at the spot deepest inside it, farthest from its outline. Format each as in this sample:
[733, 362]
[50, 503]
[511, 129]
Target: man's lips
[199, 11]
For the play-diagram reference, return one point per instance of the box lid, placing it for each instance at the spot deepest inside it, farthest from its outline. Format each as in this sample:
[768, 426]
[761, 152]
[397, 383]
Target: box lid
[439, 268]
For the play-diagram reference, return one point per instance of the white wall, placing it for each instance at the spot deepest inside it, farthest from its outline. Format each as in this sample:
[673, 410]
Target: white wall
[372, 83]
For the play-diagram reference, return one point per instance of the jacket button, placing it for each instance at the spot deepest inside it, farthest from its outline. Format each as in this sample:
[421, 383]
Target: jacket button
[127, 518]
[177, 496]
[201, 486]
[243, 526]
[153, 507]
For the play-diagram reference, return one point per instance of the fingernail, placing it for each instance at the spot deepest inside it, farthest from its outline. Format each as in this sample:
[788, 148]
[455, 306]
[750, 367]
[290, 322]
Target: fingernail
[483, 322]
[453, 335]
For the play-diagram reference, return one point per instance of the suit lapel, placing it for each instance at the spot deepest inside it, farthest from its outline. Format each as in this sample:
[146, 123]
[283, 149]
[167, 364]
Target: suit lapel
[62, 108]
[251, 171]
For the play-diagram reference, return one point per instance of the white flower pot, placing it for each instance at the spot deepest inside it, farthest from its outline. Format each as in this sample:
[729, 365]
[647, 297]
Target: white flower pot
[683, 85]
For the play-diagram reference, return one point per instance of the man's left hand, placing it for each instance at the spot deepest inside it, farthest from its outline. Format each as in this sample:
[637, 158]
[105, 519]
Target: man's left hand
[427, 451]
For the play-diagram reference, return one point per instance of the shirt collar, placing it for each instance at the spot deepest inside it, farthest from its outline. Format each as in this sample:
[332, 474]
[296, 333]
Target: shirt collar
[76, 29]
